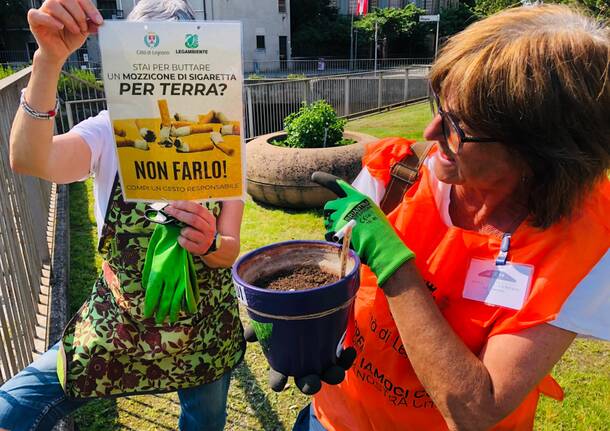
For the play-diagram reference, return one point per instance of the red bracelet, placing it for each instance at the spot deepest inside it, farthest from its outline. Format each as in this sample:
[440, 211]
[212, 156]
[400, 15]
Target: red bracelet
[35, 114]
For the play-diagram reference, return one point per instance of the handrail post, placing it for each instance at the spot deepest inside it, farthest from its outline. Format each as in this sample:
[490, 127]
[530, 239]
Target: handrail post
[406, 95]
[250, 109]
[346, 102]
[379, 90]
[69, 115]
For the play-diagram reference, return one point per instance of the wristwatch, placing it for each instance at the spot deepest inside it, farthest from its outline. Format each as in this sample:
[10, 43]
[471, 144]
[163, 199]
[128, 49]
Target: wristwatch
[215, 244]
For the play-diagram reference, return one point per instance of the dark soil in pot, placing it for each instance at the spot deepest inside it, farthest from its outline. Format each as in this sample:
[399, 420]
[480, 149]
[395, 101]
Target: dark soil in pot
[300, 278]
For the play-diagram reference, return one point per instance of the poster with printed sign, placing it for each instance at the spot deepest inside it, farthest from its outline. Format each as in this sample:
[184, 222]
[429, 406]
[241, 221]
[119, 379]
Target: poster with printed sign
[174, 95]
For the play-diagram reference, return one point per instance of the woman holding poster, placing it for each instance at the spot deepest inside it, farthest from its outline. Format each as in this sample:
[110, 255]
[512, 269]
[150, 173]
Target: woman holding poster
[481, 269]
[131, 336]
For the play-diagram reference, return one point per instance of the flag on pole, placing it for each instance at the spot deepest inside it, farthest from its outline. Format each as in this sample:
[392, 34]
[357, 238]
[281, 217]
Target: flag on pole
[362, 7]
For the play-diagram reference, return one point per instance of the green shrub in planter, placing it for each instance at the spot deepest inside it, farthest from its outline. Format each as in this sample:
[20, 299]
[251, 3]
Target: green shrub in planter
[313, 126]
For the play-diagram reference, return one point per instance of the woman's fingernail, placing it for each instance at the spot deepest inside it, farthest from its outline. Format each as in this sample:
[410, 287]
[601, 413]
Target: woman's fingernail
[97, 18]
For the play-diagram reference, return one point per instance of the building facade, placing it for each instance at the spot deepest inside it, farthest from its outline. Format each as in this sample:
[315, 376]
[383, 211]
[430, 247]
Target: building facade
[266, 25]
[17, 45]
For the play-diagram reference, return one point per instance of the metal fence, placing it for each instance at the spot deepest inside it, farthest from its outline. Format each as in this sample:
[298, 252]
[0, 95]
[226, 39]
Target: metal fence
[265, 69]
[91, 66]
[286, 68]
[321, 66]
[25, 248]
[79, 100]
[292, 68]
[266, 104]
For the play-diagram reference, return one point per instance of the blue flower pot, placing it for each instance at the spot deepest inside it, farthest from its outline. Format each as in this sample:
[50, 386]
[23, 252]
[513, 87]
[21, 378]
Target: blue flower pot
[298, 330]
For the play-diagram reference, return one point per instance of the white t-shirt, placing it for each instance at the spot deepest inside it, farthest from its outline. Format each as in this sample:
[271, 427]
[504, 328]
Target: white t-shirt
[98, 134]
[587, 309]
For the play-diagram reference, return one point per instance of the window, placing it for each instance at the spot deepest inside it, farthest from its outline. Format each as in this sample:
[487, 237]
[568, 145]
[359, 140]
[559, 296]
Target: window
[260, 42]
[109, 10]
[281, 5]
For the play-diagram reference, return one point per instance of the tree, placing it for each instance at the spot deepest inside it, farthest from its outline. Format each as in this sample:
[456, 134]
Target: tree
[318, 30]
[12, 15]
[456, 19]
[485, 8]
[306, 12]
[393, 24]
[597, 8]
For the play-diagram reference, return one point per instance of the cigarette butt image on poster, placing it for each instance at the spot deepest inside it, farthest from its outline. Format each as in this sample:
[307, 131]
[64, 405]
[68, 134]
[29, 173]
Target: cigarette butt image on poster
[176, 111]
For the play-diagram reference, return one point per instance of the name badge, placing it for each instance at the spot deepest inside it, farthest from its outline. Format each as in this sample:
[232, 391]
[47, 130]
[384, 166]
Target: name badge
[505, 285]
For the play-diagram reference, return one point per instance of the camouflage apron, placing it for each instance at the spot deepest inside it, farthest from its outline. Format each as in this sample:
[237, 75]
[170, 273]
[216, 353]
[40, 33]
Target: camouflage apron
[109, 349]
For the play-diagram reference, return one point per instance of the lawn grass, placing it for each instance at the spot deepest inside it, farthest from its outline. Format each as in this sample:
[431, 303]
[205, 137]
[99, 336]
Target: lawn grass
[407, 122]
[584, 374]
[583, 371]
[85, 262]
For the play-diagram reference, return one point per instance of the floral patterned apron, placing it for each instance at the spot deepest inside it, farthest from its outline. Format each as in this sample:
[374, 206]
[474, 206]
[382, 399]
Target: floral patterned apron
[109, 349]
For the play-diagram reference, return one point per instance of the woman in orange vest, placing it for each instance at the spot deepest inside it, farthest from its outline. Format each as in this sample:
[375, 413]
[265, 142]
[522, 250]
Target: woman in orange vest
[479, 279]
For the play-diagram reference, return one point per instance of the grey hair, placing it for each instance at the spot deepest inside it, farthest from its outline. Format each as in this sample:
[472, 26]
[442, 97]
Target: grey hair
[161, 10]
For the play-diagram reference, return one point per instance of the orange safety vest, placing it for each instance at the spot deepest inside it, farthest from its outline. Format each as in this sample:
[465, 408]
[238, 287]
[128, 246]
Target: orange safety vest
[381, 391]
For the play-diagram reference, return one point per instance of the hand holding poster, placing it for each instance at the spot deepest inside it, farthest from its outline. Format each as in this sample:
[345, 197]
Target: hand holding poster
[174, 94]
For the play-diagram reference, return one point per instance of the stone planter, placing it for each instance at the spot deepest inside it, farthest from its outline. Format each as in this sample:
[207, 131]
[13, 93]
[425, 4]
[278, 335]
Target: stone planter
[281, 176]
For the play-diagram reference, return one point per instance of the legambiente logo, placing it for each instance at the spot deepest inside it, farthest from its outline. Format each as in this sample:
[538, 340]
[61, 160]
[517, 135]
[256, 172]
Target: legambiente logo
[191, 41]
[151, 40]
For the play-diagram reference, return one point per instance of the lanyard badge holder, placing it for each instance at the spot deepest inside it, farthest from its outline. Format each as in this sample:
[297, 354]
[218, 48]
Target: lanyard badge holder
[499, 282]
[503, 255]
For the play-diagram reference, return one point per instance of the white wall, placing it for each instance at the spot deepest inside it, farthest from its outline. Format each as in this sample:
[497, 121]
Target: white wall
[257, 16]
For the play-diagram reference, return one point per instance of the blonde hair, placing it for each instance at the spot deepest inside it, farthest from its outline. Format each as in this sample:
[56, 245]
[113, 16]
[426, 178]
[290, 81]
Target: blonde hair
[536, 79]
[161, 10]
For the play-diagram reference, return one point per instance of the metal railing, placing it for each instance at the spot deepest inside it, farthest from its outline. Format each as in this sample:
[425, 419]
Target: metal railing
[263, 69]
[286, 68]
[78, 100]
[267, 104]
[282, 69]
[310, 67]
[91, 66]
[26, 240]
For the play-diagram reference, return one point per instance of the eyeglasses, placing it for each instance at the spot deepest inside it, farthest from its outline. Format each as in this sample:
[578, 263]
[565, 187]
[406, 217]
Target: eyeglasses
[452, 132]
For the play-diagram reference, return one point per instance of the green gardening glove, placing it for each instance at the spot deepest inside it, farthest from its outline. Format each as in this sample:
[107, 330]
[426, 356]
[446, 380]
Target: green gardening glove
[373, 237]
[168, 277]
